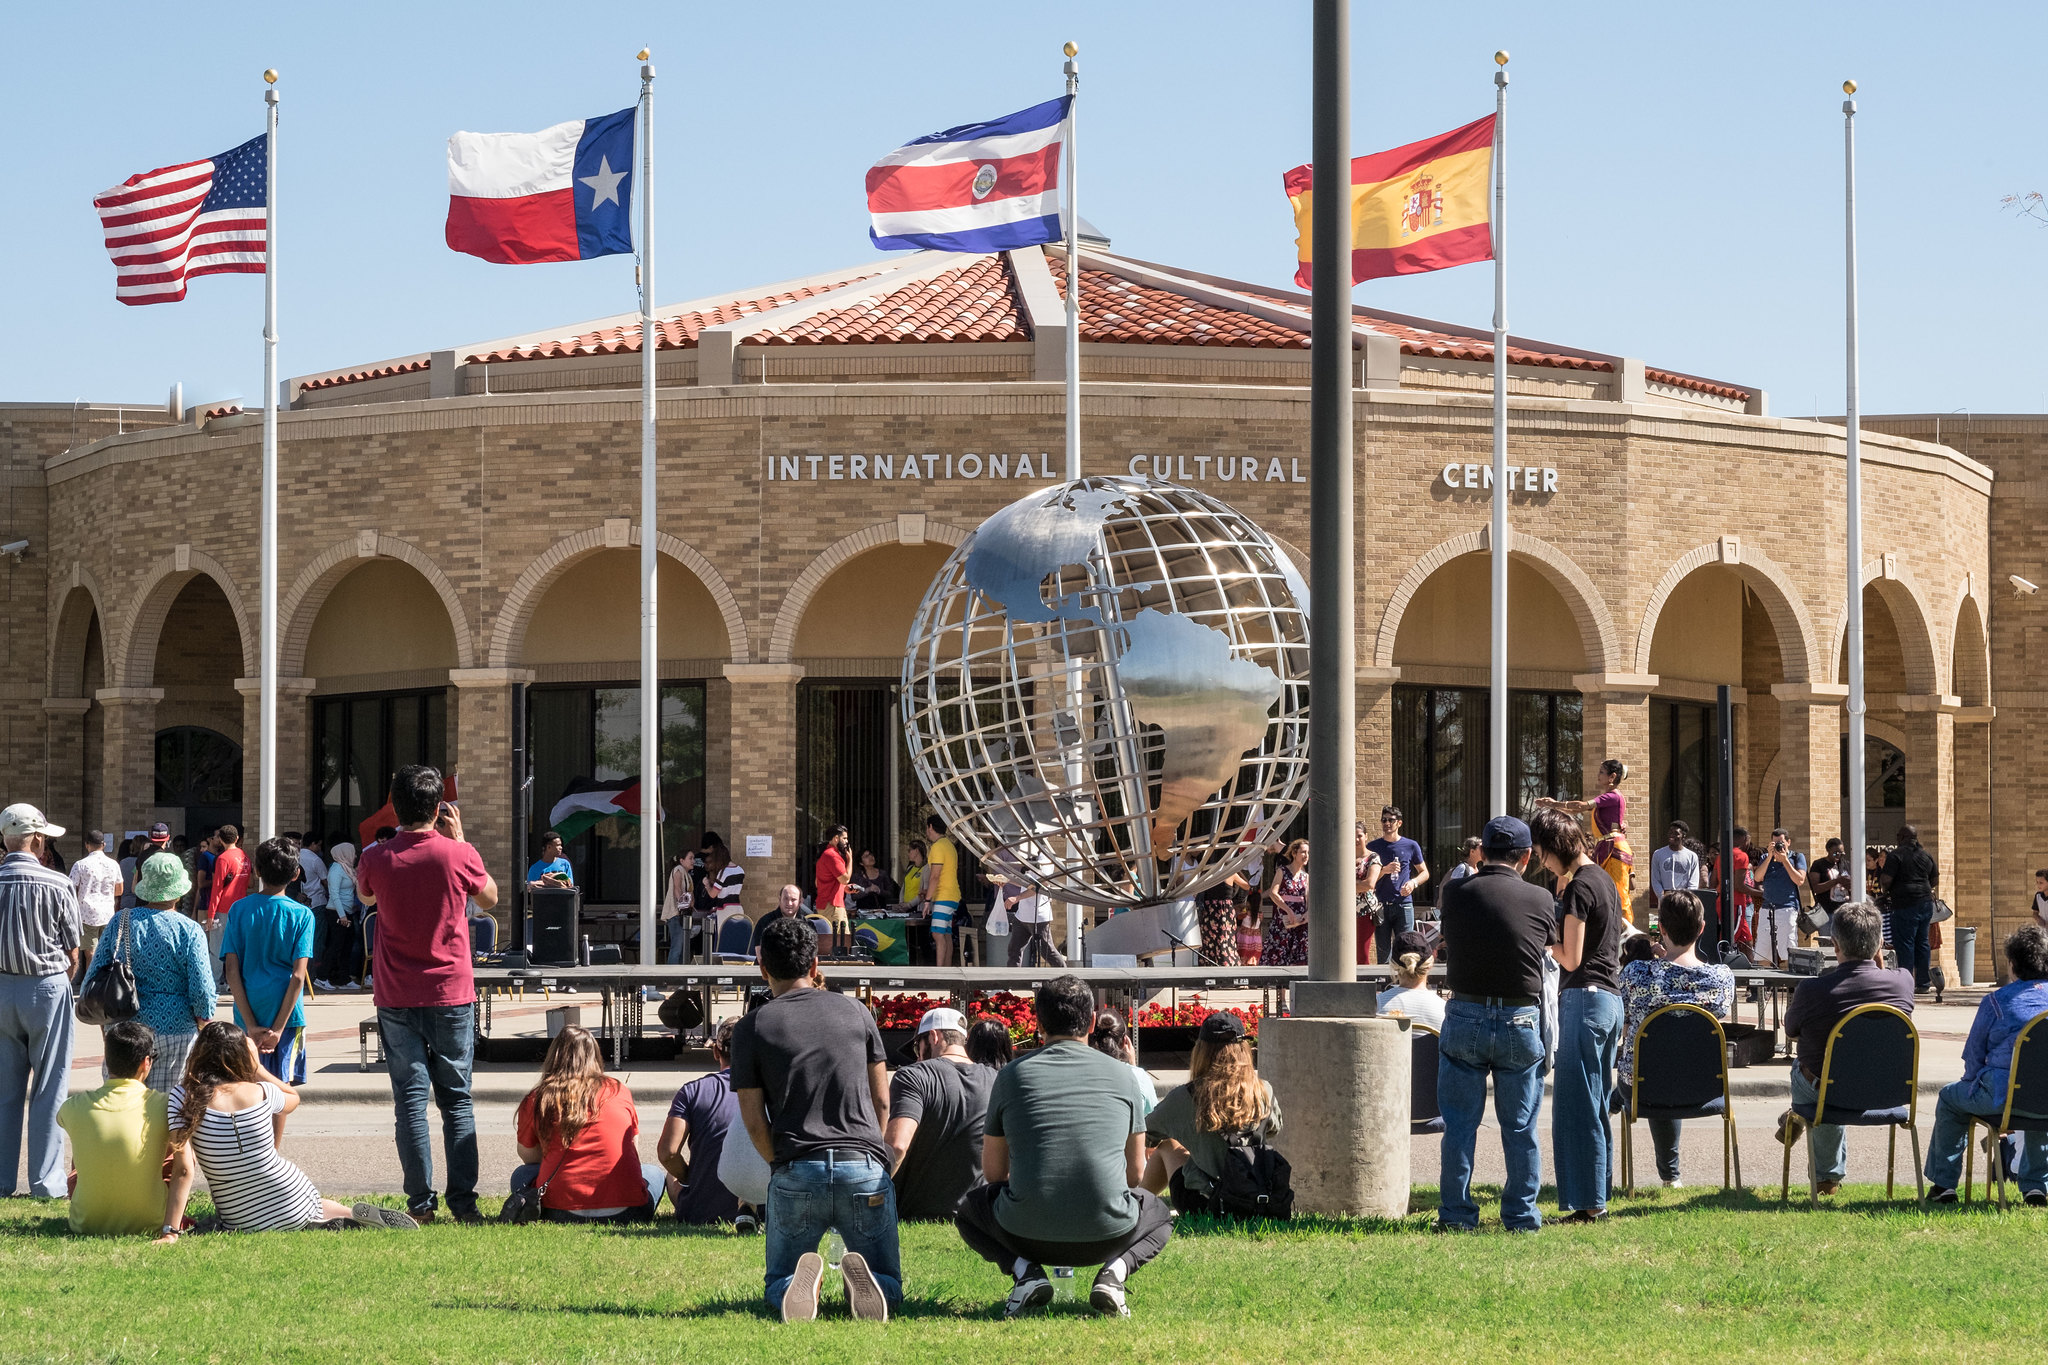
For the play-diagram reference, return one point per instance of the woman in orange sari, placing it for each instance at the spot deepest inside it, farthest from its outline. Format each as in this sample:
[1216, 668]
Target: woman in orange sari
[1610, 828]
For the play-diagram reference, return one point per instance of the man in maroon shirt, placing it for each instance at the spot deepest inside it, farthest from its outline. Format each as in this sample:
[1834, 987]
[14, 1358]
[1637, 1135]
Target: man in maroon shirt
[834, 872]
[420, 881]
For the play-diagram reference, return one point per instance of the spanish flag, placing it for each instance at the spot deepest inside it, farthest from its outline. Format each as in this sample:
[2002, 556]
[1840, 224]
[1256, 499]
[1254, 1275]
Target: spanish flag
[1415, 208]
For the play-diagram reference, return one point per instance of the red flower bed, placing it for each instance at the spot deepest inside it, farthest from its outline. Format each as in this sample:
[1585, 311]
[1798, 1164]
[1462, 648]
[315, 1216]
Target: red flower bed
[904, 1011]
[1013, 1011]
[1191, 1012]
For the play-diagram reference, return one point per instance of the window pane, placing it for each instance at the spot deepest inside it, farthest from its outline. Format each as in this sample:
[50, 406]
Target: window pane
[1570, 722]
[682, 768]
[558, 740]
[436, 749]
[369, 781]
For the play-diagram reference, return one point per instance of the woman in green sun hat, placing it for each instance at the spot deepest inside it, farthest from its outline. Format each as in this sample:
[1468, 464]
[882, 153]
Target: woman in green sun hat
[167, 952]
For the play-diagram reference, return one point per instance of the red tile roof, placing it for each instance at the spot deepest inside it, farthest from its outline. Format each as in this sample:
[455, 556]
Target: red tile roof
[335, 381]
[1115, 310]
[672, 334]
[1707, 386]
[975, 302]
[225, 410]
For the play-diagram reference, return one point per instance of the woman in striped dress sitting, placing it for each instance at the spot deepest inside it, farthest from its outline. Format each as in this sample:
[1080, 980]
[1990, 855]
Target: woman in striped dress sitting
[229, 1113]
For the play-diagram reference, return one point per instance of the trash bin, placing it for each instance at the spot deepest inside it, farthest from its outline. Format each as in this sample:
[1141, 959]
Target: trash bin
[1966, 954]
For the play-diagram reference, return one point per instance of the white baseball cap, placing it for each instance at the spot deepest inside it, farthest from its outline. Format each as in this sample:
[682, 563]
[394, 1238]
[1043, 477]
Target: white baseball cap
[22, 818]
[941, 1018]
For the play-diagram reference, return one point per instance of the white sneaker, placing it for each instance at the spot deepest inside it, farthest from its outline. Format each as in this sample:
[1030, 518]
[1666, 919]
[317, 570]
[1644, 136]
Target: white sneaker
[1032, 1290]
[328, 986]
[864, 1296]
[1107, 1297]
[800, 1300]
[1674, 1184]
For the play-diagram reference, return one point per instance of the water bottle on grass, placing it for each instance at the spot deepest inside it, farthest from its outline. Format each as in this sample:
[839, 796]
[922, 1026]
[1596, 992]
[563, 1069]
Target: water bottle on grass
[1062, 1284]
[835, 1249]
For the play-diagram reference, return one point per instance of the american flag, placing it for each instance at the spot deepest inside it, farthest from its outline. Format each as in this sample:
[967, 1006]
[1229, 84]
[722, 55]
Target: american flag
[199, 218]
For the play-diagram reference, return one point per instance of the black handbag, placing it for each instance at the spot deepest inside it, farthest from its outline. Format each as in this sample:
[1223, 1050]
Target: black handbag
[524, 1206]
[110, 996]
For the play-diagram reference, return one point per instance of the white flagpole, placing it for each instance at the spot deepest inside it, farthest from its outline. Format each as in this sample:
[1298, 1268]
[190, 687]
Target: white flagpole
[1497, 712]
[1073, 70]
[1853, 450]
[266, 681]
[650, 659]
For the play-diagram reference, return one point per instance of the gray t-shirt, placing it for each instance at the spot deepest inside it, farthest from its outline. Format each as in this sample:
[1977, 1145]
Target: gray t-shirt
[1067, 1112]
[809, 1052]
[949, 1103]
[1175, 1118]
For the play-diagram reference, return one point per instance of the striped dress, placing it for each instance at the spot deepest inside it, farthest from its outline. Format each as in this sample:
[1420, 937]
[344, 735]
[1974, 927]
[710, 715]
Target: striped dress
[254, 1189]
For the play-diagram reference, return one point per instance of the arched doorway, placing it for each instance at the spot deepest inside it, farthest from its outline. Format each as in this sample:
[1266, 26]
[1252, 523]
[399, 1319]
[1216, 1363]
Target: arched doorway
[199, 772]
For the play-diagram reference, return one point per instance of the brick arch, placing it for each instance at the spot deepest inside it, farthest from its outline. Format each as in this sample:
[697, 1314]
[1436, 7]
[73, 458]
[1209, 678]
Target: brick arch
[1596, 625]
[509, 635]
[144, 624]
[308, 593]
[79, 602]
[1789, 616]
[1969, 655]
[1912, 616]
[782, 639]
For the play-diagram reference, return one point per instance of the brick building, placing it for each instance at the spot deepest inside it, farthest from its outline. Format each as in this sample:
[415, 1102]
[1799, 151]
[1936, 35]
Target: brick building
[459, 523]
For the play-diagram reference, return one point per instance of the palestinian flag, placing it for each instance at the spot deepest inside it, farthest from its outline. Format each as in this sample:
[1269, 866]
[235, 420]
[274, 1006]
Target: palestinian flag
[587, 804]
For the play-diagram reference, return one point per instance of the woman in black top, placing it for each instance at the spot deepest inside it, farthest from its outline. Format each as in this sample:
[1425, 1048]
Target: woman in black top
[873, 888]
[1589, 1015]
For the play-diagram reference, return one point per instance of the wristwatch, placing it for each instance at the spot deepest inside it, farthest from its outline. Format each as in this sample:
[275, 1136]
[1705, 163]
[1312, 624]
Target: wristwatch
[170, 1231]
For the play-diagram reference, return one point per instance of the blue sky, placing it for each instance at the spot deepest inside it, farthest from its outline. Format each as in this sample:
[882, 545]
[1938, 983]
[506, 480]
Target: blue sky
[1674, 171]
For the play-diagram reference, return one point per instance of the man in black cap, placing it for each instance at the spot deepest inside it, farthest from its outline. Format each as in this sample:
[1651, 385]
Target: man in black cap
[1496, 929]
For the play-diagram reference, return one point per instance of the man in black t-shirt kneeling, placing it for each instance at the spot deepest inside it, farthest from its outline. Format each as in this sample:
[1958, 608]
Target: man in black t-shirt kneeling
[813, 1091]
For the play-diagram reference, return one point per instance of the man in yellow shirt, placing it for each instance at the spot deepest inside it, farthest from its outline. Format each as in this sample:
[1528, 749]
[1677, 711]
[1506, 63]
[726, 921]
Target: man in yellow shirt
[119, 1135]
[940, 890]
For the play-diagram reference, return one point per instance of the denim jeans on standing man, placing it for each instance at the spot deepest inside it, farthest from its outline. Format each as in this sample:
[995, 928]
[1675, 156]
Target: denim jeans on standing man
[1395, 918]
[1582, 1139]
[35, 1070]
[429, 1050]
[1909, 938]
[1501, 1041]
[846, 1190]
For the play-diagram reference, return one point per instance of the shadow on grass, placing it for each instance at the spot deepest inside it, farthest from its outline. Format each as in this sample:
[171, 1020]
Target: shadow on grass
[737, 1307]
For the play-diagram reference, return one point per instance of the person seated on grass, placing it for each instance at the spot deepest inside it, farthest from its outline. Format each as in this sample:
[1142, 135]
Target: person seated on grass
[577, 1136]
[937, 1106]
[813, 1087]
[988, 1043]
[1410, 995]
[1678, 977]
[266, 948]
[1111, 1036]
[1224, 1096]
[119, 1134]
[700, 1118]
[1817, 1006]
[1063, 1150]
[1987, 1070]
[229, 1113]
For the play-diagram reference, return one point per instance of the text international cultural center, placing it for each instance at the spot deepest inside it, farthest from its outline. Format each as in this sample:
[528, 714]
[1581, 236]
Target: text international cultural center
[461, 523]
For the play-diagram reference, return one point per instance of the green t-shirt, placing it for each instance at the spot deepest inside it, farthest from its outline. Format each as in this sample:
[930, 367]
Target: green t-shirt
[1067, 1112]
[1175, 1118]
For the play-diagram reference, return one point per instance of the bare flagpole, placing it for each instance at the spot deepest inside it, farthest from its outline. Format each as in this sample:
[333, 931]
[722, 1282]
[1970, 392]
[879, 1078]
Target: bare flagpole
[266, 679]
[1497, 710]
[1853, 450]
[650, 658]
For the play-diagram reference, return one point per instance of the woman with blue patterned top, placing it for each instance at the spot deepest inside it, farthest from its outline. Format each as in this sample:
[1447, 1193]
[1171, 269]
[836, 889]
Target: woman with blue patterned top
[1675, 977]
[167, 952]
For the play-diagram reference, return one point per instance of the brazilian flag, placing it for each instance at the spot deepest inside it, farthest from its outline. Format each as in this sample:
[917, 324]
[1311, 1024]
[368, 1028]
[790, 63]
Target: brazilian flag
[885, 939]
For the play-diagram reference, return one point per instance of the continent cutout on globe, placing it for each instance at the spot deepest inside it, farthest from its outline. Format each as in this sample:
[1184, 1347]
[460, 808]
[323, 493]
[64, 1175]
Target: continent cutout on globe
[1209, 704]
[1029, 541]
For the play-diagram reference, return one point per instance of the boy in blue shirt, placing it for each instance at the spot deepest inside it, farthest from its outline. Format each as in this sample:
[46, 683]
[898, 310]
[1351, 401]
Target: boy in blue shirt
[266, 946]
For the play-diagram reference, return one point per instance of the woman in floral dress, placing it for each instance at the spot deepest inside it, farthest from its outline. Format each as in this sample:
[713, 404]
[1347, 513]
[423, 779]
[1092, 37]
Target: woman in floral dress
[1286, 941]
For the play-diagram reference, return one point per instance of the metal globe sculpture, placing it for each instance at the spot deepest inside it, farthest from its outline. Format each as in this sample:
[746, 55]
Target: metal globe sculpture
[1109, 680]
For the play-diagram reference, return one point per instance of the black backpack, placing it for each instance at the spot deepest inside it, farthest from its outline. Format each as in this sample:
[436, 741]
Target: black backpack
[1256, 1181]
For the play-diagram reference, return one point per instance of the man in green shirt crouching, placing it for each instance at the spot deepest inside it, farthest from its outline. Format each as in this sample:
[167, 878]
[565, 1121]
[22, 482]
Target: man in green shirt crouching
[1063, 1151]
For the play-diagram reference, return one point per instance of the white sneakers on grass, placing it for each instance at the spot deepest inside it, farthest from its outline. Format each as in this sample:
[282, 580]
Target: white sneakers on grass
[864, 1297]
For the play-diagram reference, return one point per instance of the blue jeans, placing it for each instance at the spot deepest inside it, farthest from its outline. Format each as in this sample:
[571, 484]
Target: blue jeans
[679, 940]
[429, 1050]
[35, 1069]
[1582, 1139]
[1984, 1096]
[843, 1190]
[1499, 1041]
[1830, 1143]
[1909, 939]
[1394, 919]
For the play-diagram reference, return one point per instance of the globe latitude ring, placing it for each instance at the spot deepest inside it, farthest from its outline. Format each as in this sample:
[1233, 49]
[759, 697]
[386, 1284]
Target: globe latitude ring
[1109, 681]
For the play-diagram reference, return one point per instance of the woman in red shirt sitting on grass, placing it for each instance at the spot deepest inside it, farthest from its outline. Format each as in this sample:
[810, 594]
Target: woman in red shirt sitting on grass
[578, 1139]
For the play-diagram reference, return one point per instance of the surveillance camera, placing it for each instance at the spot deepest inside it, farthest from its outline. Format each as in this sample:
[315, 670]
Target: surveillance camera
[2020, 586]
[17, 548]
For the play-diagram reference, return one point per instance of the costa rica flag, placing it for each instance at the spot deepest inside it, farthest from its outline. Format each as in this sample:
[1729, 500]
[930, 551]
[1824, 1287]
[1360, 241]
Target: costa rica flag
[562, 194]
[987, 186]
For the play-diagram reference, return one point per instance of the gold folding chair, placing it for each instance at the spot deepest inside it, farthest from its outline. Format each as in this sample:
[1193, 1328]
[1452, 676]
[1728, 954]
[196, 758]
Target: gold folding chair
[1869, 1077]
[1688, 1079]
[2030, 1077]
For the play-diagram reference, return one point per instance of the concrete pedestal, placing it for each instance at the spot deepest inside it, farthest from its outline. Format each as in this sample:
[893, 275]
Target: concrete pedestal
[1344, 1092]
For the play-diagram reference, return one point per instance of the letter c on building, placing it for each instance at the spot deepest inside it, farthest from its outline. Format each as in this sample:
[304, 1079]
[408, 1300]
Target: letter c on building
[1450, 476]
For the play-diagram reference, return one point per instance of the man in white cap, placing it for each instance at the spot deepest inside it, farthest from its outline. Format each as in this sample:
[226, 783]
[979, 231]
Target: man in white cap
[39, 931]
[936, 1109]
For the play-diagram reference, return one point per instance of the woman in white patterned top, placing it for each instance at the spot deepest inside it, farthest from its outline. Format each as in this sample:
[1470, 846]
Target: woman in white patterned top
[229, 1113]
[1675, 977]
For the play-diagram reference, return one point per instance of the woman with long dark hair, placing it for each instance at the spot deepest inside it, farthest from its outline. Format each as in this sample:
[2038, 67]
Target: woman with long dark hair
[1589, 1015]
[578, 1139]
[1286, 939]
[1111, 1036]
[229, 1113]
[1193, 1124]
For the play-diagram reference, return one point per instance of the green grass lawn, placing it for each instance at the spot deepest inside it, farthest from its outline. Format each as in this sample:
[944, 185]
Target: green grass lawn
[1671, 1275]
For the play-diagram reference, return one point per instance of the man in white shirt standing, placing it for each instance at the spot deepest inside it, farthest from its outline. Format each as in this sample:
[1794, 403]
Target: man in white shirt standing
[1674, 867]
[1030, 914]
[98, 881]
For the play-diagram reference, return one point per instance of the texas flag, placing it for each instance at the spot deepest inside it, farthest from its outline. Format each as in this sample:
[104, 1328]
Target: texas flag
[979, 187]
[562, 194]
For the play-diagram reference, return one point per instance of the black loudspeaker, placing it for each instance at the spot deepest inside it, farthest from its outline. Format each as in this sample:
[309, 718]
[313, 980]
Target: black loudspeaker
[557, 925]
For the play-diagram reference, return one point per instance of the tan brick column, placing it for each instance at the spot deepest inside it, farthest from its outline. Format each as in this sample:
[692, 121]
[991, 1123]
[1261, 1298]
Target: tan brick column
[482, 760]
[294, 754]
[1810, 762]
[763, 775]
[1930, 726]
[1375, 746]
[1969, 884]
[63, 777]
[1616, 724]
[127, 756]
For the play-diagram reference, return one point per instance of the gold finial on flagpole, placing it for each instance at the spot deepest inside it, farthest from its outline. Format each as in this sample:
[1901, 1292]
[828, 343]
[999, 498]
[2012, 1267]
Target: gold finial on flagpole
[645, 53]
[1072, 49]
[1848, 87]
[1500, 58]
[270, 76]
